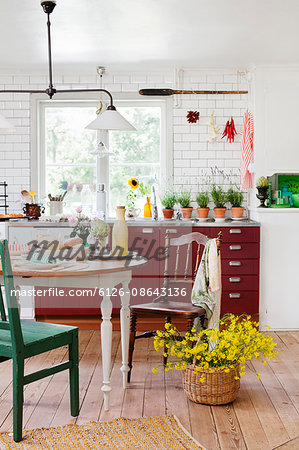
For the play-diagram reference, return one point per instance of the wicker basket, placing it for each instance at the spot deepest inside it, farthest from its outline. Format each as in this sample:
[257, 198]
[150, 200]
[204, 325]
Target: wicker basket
[219, 388]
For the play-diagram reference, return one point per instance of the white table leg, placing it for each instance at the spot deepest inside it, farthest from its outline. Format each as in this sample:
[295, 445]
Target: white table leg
[125, 327]
[106, 341]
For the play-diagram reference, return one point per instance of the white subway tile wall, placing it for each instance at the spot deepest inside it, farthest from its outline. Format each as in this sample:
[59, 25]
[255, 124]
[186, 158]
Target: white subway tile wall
[196, 162]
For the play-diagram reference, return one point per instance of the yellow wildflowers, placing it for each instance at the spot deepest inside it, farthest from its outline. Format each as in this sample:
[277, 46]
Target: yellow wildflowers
[237, 341]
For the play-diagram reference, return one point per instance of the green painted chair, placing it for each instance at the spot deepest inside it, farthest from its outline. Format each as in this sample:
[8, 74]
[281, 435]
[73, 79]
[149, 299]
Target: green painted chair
[22, 339]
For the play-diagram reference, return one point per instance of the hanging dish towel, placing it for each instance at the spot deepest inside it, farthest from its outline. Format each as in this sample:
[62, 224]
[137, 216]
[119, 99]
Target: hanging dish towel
[206, 290]
[247, 150]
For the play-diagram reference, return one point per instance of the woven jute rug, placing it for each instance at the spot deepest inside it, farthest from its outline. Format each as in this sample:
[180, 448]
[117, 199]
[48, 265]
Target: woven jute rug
[150, 433]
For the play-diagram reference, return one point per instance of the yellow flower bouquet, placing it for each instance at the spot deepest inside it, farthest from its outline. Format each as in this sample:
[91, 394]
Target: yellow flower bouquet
[213, 360]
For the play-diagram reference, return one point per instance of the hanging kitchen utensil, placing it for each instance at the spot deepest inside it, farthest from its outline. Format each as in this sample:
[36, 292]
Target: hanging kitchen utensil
[213, 130]
[167, 92]
[192, 116]
[229, 130]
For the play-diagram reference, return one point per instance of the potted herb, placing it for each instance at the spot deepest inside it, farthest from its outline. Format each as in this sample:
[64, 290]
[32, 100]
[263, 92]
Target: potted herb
[168, 200]
[219, 198]
[213, 360]
[262, 185]
[235, 198]
[202, 200]
[184, 200]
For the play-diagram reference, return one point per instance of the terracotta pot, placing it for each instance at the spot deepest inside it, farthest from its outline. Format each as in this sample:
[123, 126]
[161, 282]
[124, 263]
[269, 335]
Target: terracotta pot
[203, 213]
[168, 213]
[187, 212]
[237, 211]
[219, 213]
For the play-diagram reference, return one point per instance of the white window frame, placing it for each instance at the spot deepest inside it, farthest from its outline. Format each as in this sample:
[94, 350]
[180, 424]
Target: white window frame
[38, 104]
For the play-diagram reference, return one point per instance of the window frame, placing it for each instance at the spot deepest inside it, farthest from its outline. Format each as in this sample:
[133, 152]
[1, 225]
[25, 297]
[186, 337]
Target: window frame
[39, 103]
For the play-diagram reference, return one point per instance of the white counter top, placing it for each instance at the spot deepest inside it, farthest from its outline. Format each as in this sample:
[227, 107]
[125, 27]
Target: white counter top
[143, 222]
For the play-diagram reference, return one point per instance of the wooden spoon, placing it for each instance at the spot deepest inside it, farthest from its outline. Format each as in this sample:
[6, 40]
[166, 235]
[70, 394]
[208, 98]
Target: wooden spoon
[27, 196]
[32, 193]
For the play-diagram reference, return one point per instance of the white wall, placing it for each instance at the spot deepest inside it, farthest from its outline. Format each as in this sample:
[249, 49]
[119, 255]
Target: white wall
[276, 151]
[193, 155]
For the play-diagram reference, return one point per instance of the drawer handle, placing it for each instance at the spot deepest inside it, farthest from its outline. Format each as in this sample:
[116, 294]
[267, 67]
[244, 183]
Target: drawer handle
[171, 231]
[234, 295]
[235, 231]
[234, 279]
[147, 230]
[234, 263]
[235, 247]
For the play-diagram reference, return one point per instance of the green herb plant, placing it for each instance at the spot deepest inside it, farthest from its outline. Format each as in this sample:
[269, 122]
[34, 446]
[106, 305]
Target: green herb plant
[219, 196]
[184, 199]
[235, 197]
[203, 199]
[168, 199]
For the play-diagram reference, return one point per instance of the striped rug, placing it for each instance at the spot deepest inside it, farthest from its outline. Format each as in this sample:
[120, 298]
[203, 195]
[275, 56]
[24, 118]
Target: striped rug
[148, 433]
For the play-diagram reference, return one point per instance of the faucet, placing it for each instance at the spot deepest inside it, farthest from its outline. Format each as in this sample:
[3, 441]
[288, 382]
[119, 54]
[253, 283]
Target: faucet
[154, 205]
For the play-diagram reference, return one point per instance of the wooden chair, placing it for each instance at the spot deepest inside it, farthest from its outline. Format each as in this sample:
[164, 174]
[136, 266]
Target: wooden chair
[161, 306]
[22, 339]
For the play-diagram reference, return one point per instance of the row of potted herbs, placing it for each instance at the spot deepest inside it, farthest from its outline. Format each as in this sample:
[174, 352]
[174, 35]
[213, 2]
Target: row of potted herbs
[220, 198]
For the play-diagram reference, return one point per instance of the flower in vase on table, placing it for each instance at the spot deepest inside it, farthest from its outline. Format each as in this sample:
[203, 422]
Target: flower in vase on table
[99, 231]
[81, 226]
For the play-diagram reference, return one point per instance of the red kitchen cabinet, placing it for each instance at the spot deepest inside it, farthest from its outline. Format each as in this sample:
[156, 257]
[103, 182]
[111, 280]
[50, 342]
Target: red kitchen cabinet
[240, 253]
[239, 261]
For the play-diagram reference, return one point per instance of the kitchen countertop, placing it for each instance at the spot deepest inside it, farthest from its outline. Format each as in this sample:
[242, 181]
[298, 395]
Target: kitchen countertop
[145, 223]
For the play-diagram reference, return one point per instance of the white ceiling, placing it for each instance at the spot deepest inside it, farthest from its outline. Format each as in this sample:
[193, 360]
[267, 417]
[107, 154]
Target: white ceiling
[147, 34]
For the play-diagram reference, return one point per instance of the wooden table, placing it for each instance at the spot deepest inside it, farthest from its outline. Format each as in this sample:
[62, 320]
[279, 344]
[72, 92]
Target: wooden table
[104, 275]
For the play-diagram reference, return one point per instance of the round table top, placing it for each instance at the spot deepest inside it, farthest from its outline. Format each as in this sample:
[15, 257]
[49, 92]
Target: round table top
[82, 268]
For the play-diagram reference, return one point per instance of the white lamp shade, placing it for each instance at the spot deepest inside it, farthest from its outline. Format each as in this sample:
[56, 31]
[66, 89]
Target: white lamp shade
[110, 120]
[5, 124]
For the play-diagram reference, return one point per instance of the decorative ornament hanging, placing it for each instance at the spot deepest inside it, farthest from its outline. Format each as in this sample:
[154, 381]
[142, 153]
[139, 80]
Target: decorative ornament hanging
[214, 131]
[229, 130]
[192, 116]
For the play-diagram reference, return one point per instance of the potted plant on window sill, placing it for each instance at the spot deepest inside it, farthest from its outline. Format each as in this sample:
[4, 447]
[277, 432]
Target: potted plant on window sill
[202, 200]
[184, 200]
[235, 198]
[168, 200]
[219, 198]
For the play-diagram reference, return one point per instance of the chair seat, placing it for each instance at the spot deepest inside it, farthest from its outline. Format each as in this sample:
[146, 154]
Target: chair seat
[37, 335]
[171, 308]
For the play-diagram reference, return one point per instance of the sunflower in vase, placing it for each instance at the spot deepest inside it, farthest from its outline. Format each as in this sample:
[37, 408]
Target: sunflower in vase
[135, 188]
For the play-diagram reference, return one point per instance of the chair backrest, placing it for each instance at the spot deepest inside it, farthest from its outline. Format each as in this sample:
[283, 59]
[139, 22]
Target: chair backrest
[184, 271]
[13, 324]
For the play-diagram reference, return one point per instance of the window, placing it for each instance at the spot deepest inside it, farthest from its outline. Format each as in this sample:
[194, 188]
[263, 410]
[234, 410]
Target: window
[136, 154]
[68, 164]
[64, 161]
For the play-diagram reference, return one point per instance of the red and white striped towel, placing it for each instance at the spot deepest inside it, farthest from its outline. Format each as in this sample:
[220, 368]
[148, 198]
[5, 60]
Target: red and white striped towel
[247, 150]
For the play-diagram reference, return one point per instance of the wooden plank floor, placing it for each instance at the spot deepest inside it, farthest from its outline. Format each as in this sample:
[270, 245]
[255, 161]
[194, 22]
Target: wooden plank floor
[264, 416]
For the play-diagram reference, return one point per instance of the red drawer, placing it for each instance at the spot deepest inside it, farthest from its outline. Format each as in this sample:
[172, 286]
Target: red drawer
[241, 302]
[146, 241]
[240, 283]
[240, 250]
[237, 234]
[235, 266]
